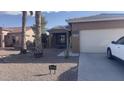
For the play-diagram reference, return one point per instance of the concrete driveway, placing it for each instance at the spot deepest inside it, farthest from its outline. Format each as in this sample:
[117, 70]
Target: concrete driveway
[96, 67]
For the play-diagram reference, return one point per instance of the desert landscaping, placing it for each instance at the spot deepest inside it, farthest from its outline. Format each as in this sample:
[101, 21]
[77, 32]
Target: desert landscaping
[24, 67]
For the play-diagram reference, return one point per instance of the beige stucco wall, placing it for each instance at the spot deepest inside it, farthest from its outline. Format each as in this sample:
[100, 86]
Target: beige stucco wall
[9, 37]
[29, 37]
[97, 25]
[2, 33]
[75, 43]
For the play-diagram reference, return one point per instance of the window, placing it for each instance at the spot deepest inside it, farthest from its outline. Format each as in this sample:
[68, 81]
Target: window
[62, 38]
[33, 35]
[13, 40]
[121, 41]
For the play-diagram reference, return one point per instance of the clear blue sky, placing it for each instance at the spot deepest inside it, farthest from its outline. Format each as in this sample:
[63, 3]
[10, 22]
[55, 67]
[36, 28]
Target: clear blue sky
[8, 19]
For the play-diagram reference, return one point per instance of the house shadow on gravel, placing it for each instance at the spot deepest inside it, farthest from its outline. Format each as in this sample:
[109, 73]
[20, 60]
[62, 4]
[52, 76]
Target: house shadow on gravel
[69, 75]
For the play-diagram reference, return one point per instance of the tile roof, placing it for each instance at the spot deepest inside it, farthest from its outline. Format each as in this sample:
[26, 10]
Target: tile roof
[59, 27]
[100, 17]
[15, 29]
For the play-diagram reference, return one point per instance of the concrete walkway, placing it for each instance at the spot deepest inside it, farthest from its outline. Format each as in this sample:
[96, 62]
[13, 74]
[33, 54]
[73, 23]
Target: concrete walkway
[70, 54]
[96, 67]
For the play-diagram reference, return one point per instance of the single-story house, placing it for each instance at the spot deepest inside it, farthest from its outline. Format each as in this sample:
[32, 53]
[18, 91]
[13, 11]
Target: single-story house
[11, 36]
[58, 36]
[93, 34]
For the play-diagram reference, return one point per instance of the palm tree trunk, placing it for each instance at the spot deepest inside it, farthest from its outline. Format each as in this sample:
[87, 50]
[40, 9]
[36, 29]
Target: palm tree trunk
[38, 43]
[23, 41]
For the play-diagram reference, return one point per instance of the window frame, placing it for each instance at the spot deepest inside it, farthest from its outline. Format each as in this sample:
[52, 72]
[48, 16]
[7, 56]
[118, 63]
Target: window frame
[122, 38]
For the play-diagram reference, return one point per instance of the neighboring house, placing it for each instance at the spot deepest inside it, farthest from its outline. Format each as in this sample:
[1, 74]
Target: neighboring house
[93, 34]
[11, 36]
[3, 33]
[58, 36]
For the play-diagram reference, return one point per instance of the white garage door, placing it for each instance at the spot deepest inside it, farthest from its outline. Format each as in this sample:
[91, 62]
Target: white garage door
[97, 40]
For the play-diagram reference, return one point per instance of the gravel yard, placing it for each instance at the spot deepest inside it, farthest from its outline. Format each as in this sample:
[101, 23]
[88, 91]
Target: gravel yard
[20, 68]
[31, 71]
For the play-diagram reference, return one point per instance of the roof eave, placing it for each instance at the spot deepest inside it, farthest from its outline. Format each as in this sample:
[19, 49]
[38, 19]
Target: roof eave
[94, 20]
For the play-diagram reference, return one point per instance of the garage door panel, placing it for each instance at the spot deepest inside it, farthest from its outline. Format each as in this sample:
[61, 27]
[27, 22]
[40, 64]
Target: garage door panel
[97, 40]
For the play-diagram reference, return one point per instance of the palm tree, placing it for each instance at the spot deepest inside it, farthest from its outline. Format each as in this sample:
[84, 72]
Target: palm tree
[43, 24]
[23, 41]
[38, 42]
